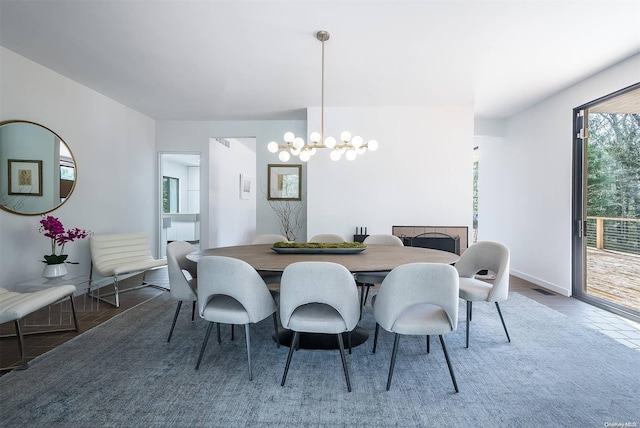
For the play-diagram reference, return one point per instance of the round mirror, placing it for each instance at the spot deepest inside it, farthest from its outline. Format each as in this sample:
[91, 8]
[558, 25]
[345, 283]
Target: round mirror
[37, 169]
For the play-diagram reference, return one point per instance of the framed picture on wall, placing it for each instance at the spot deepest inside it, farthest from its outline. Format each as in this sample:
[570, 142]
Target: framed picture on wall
[246, 186]
[25, 177]
[284, 182]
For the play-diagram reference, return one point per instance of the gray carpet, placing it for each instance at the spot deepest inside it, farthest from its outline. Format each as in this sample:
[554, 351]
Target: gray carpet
[123, 373]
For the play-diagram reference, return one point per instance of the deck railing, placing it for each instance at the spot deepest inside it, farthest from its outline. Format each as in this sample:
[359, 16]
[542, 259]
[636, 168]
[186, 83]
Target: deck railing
[617, 234]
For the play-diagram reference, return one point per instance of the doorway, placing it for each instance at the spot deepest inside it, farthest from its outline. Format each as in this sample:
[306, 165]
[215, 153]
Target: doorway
[180, 199]
[606, 206]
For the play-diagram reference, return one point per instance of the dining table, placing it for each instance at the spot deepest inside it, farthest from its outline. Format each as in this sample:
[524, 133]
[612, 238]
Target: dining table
[267, 260]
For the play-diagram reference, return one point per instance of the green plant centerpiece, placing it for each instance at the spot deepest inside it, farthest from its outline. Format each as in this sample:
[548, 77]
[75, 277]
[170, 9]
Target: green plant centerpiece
[281, 244]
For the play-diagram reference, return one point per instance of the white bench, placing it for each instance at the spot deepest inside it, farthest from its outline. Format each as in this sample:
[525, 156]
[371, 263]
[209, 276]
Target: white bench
[118, 255]
[15, 306]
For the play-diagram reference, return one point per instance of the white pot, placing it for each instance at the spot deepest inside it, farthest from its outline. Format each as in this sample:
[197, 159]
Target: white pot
[54, 271]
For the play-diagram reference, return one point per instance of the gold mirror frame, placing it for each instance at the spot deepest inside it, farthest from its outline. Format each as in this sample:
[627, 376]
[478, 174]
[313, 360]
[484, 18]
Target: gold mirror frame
[31, 168]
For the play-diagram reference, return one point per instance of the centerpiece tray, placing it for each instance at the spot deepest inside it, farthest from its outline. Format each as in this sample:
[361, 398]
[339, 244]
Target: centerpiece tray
[318, 248]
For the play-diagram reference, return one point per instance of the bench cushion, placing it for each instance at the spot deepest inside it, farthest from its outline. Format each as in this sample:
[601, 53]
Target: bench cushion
[122, 253]
[14, 306]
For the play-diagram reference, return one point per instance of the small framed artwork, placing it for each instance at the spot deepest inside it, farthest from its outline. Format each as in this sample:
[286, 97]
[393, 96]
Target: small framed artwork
[284, 182]
[246, 186]
[25, 177]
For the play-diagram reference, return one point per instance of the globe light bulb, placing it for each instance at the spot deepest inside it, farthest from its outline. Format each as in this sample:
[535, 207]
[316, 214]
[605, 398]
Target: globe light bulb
[312, 151]
[298, 143]
[272, 147]
[351, 154]
[294, 151]
[315, 137]
[289, 137]
[330, 142]
[284, 156]
[345, 136]
[341, 150]
[361, 150]
[357, 141]
[335, 155]
[372, 145]
[305, 156]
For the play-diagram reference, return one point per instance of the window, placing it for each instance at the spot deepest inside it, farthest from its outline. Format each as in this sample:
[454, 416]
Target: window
[170, 194]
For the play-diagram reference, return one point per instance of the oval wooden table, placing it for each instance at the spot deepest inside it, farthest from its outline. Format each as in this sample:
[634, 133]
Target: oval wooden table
[376, 258]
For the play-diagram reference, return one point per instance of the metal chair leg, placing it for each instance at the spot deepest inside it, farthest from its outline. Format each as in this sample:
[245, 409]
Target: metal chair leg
[248, 337]
[344, 362]
[175, 318]
[349, 341]
[23, 351]
[232, 332]
[204, 344]
[393, 360]
[73, 311]
[193, 311]
[503, 324]
[275, 328]
[291, 349]
[446, 356]
[428, 344]
[375, 338]
[468, 321]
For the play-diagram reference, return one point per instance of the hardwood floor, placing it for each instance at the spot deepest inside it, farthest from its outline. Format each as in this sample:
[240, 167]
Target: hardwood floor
[92, 313]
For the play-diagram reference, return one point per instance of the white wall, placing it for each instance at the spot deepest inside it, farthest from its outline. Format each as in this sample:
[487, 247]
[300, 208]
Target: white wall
[114, 147]
[421, 174]
[525, 189]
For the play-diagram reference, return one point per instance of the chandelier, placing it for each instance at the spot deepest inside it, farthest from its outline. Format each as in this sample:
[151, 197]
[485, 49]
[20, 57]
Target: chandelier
[350, 146]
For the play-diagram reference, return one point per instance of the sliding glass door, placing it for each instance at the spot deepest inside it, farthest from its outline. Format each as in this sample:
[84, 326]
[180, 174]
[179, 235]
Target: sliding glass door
[606, 205]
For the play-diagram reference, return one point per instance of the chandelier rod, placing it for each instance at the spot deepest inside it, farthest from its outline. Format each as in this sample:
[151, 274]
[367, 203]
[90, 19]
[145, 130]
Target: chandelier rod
[322, 36]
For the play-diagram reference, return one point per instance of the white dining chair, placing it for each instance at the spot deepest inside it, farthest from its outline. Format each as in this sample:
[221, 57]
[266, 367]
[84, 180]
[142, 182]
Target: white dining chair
[230, 291]
[484, 255]
[318, 297]
[418, 299]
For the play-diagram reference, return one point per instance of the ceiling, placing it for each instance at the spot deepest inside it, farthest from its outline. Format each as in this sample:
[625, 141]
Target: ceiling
[256, 60]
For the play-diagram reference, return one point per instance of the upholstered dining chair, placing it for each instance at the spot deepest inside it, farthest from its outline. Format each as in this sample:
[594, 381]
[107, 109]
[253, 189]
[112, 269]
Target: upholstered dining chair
[182, 277]
[418, 299]
[366, 280]
[318, 297]
[268, 238]
[327, 238]
[484, 255]
[230, 291]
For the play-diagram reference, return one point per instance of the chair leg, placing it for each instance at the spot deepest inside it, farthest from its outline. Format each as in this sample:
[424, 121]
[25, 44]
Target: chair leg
[219, 337]
[393, 360]
[291, 349]
[446, 356]
[247, 334]
[232, 332]
[193, 311]
[366, 294]
[349, 341]
[503, 324]
[344, 362]
[175, 318]
[23, 351]
[75, 315]
[428, 344]
[204, 344]
[468, 321]
[115, 293]
[275, 328]
[375, 338]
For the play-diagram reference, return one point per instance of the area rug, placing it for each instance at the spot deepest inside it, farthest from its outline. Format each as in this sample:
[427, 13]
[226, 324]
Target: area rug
[122, 373]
